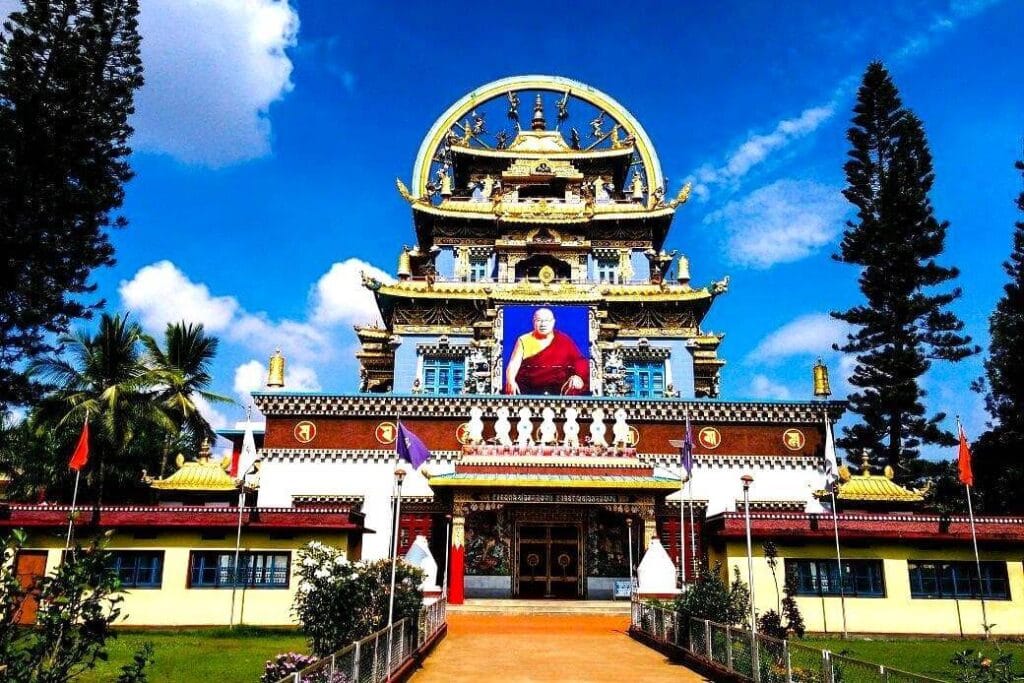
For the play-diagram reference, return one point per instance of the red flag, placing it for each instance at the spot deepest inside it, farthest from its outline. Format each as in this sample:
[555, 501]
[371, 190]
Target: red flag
[81, 454]
[964, 459]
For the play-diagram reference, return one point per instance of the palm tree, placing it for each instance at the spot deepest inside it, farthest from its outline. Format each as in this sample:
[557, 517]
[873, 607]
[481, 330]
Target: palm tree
[103, 378]
[183, 364]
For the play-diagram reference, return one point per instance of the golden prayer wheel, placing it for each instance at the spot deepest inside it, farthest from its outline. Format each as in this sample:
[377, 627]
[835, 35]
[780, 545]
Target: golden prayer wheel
[404, 265]
[821, 387]
[275, 378]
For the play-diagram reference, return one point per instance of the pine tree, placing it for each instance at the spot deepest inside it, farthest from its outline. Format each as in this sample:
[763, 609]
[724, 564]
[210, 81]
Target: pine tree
[999, 452]
[68, 73]
[903, 323]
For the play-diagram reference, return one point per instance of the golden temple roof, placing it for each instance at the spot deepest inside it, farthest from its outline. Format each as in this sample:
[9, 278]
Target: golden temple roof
[200, 475]
[866, 487]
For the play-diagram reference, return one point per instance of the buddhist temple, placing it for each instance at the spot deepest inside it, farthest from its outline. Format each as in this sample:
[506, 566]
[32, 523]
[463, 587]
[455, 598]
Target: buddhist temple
[546, 350]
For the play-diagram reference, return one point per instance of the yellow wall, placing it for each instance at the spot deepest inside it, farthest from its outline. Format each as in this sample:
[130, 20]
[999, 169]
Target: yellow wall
[175, 604]
[897, 612]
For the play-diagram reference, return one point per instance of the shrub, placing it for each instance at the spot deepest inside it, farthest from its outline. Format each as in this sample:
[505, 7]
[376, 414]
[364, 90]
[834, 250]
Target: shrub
[285, 665]
[339, 602]
[974, 667]
[710, 598]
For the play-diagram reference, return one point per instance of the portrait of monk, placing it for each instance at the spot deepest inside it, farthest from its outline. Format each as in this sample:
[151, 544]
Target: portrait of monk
[547, 361]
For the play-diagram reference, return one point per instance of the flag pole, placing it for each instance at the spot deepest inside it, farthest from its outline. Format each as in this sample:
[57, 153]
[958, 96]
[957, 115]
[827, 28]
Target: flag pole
[967, 478]
[835, 528]
[238, 534]
[693, 530]
[682, 528]
[977, 561]
[77, 463]
[71, 515]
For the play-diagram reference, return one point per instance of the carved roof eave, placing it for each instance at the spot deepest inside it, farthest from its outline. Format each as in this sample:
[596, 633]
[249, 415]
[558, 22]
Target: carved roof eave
[569, 153]
[643, 293]
[599, 215]
[317, 404]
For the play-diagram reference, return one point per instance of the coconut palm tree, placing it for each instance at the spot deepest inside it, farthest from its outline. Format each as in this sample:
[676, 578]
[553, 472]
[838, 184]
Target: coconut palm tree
[102, 377]
[183, 364]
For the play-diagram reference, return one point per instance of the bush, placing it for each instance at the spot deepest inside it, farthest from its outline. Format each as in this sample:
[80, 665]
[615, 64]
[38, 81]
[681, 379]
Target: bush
[285, 665]
[339, 602]
[76, 607]
[974, 667]
[710, 598]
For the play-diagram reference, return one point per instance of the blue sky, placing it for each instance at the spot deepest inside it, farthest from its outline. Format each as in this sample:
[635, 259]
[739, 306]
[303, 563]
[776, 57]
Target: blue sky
[269, 136]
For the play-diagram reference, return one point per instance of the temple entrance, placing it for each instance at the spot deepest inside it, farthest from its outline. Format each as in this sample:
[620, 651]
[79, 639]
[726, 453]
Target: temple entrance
[548, 560]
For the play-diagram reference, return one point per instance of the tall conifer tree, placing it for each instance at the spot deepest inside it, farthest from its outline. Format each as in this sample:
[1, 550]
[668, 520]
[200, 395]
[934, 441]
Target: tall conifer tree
[999, 452]
[68, 73]
[904, 323]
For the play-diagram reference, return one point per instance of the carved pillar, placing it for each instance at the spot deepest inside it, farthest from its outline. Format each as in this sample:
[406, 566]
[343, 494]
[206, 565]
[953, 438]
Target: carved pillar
[457, 558]
[650, 523]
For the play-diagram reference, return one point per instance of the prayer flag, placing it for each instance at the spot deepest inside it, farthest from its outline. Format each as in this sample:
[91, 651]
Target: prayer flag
[687, 449]
[247, 458]
[81, 454]
[831, 461]
[410, 447]
[964, 458]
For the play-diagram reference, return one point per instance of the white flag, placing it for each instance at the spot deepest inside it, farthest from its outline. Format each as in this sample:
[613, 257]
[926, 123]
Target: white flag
[831, 463]
[247, 458]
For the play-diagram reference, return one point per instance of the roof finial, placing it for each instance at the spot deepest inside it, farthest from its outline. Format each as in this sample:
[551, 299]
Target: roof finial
[821, 387]
[538, 114]
[275, 378]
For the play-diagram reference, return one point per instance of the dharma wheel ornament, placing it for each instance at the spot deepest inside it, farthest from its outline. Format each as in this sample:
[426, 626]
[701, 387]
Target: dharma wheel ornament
[821, 387]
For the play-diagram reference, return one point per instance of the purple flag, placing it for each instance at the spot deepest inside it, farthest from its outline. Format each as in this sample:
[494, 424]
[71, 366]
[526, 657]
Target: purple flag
[410, 448]
[687, 449]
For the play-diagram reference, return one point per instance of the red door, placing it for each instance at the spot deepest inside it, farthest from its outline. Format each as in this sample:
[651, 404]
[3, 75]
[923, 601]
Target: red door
[29, 566]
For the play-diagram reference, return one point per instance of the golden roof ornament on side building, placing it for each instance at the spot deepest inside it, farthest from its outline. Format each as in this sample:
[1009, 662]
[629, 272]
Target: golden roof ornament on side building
[868, 488]
[200, 475]
[275, 377]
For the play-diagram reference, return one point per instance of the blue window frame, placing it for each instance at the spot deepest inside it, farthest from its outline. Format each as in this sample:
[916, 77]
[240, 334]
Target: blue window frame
[215, 569]
[139, 568]
[646, 378]
[478, 269]
[861, 578]
[942, 579]
[443, 375]
[607, 270]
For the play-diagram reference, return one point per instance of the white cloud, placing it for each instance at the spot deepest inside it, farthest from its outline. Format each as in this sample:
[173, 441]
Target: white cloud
[811, 334]
[216, 418]
[779, 223]
[249, 377]
[757, 147]
[301, 378]
[763, 387]
[339, 296]
[213, 68]
[160, 293]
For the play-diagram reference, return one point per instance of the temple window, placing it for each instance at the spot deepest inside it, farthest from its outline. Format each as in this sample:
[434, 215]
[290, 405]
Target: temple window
[607, 270]
[645, 378]
[861, 578]
[478, 269]
[258, 569]
[138, 568]
[953, 580]
[443, 375]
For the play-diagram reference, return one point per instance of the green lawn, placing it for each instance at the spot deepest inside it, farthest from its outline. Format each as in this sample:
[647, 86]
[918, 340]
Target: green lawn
[927, 657]
[200, 655]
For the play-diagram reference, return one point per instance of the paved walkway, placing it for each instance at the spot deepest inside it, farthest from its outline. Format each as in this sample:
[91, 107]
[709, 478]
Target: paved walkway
[500, 647]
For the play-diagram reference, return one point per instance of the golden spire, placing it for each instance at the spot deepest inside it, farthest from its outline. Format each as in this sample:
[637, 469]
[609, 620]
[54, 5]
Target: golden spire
[538, 115]
[204, 450]
[821, 387]
[275, 378]
[683, 272]
[404, 265]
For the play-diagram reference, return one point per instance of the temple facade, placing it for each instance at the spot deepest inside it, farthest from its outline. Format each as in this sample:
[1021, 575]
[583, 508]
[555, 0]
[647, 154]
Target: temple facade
[546, 346]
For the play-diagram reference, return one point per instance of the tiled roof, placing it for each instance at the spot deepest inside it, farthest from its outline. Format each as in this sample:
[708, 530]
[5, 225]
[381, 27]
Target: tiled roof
[198, 475]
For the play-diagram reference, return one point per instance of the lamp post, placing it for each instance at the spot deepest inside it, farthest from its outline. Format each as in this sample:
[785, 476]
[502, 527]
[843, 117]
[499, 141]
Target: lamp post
[755, 663]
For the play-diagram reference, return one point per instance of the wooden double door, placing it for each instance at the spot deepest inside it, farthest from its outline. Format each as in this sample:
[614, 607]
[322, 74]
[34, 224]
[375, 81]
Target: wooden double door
[548, 560]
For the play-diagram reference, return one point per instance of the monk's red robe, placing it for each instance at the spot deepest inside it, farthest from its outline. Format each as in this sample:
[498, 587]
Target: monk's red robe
[547, 371]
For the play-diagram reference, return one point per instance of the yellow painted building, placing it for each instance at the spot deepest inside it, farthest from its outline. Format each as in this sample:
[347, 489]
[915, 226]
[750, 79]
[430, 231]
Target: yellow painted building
[904, 572]
[176, 562]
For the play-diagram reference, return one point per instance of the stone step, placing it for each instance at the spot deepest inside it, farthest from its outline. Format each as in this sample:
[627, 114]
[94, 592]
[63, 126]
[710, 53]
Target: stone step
[509, 606]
